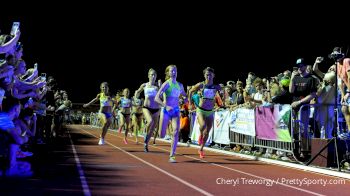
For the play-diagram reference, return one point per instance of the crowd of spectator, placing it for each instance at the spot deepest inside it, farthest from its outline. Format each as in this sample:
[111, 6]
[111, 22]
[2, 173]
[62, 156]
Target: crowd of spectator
[32, 108]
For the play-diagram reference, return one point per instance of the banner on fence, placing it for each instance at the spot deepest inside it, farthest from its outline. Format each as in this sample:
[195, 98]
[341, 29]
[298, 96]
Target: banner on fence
[196, 132]
[242, 121]
[221, 127]
[272, 123]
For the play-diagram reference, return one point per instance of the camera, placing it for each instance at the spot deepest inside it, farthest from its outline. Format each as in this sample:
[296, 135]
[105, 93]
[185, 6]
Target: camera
[43, 76]
[336, 55]
[15, 27]
[326, 83]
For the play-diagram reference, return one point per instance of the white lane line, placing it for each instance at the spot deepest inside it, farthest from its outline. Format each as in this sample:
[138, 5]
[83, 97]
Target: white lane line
[239, 171]
[84, 184]
[249, 174]
[157, 168]
[312, 170]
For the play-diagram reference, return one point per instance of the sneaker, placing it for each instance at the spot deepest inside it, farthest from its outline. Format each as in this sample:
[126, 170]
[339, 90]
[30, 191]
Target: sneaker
[279, 153]
[125, 141]
[237, 149]
[201, 154]
[172, 159]
[22, 154]
[28, 154]
[146, 148]
[247, 152]
[21, 169]
[101, 142]
[15, 172]
[285, 159]
[267, 155]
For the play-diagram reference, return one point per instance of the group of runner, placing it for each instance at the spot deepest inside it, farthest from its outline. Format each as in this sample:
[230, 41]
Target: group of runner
[161, 105]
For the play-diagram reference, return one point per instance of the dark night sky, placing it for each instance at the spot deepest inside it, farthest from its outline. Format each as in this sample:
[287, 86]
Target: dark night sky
[82, 48]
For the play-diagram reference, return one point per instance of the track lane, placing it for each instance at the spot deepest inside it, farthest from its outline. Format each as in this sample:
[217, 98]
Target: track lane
[231, 168]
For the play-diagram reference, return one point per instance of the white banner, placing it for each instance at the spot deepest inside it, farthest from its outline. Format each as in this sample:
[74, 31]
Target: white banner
[221, 127]
[242, 121]
[195, 133]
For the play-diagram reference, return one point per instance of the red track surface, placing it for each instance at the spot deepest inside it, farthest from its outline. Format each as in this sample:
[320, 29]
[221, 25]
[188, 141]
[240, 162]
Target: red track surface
[119, 169]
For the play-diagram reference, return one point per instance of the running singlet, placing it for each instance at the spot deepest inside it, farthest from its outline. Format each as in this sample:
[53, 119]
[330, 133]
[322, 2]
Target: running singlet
[150, 91]
[173, 90]
[125, 102]
[209, 92]
[105, 100]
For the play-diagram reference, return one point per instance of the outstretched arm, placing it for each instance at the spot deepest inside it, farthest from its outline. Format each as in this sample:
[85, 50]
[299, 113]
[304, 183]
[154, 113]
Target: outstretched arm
[92, 101]
[315, 69]
[10, 44]
[21, 95]
[31, 77]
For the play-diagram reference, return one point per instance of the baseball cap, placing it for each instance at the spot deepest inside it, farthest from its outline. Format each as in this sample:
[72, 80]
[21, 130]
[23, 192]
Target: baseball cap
[300, 62]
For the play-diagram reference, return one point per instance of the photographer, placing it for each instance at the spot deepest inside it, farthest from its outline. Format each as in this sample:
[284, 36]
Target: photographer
[326, 96]
[343, 68]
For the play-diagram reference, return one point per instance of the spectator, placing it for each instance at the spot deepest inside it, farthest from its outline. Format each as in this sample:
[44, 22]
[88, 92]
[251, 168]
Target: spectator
[184, 126]
[10, 44]
[303, 88]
